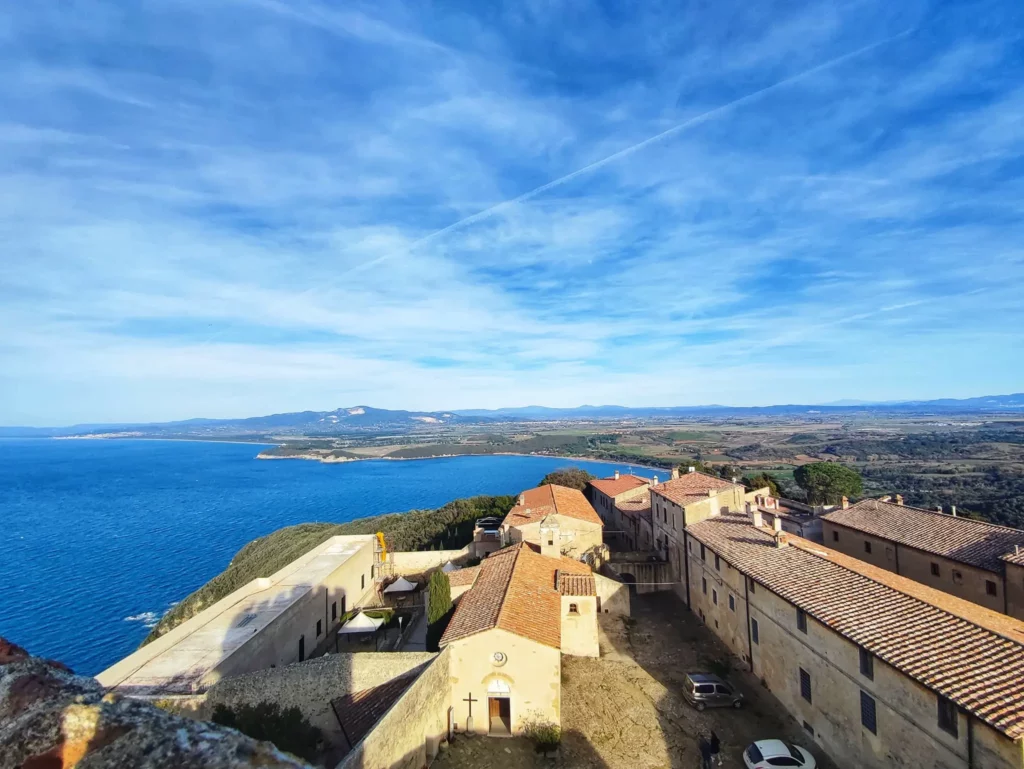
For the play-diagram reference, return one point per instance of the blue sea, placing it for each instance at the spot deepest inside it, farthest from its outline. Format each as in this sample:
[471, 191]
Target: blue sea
[98, 538]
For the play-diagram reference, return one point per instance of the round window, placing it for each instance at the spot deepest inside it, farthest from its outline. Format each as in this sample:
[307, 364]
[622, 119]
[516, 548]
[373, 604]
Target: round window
[499, 658]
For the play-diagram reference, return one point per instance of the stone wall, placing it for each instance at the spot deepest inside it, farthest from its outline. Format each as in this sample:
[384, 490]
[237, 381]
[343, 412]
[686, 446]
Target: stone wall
[310, 686]
[427, 560]
[410, 733]
[579, 628]
[1015, 590]
[50, 717]
[643, 576]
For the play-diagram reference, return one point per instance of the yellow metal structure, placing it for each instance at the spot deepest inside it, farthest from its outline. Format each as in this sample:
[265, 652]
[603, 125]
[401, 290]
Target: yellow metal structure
[383, 546]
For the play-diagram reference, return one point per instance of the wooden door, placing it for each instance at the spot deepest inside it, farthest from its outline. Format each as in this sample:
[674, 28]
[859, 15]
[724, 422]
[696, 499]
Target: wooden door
[494, 705]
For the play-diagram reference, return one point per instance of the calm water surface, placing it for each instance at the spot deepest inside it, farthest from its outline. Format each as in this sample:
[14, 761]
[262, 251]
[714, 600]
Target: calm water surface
[99, 538]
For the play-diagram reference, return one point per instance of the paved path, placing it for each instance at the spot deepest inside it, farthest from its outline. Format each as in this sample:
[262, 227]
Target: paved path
[417, 640]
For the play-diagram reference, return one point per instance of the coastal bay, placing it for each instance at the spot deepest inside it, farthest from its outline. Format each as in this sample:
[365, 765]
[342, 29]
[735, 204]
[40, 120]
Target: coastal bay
[104, 536]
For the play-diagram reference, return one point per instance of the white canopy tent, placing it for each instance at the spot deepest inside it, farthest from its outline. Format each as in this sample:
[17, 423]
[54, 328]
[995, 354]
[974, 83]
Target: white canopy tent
[400, 585]
[449, 567]
[361, 624]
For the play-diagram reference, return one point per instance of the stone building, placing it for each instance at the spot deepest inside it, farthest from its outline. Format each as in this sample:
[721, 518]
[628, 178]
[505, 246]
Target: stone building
[684, 500]
[880, 670]
[606, 493]
[524, 610]
[796, 517]
[555, 515]
[636, 522]
[973, 560]
[269, 622]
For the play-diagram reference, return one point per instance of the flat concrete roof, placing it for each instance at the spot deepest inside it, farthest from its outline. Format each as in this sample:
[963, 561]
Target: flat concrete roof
[177, 662]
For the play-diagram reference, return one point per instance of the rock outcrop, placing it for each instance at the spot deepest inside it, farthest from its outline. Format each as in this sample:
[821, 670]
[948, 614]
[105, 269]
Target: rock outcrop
[52, 719]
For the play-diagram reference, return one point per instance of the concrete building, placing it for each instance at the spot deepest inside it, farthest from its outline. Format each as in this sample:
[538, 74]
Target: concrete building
[973, 560]
[880, 670]
[269, 622]
[684, 500]
[526, 607]
[555, 515]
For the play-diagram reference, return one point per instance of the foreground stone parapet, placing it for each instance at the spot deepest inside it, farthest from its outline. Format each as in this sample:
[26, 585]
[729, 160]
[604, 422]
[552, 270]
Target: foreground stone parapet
[53, 719]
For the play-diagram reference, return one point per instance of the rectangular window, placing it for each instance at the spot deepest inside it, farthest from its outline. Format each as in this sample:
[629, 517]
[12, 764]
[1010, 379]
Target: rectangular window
[990, 587]
[890, 553]
[867, 546]
[703, 553]
[714, 597]
[362, 581]
[319, 627]
[704, 585]
[334, 610]
[805, 684]
[835, 535]
[808, 728]
[732, 603]
[753, 632]
[718, 563]
[753, 585]
[801, 621]
[867, 665]
[935, 569]
[867, 713]
[947, 716]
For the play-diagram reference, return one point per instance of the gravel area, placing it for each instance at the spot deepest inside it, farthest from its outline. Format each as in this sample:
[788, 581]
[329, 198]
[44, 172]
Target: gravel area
[625, 710]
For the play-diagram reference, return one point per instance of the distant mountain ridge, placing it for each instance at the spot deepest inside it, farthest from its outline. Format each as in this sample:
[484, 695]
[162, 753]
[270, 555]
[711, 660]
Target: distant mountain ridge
[365, 419]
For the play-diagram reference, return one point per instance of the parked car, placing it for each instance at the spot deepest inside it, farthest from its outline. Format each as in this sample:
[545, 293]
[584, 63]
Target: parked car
[767, 754]
[703, 690]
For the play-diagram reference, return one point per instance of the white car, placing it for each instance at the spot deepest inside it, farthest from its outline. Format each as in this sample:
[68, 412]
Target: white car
[765, 754]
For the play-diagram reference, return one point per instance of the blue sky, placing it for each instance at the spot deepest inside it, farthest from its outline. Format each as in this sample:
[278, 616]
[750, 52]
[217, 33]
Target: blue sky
[236, 207]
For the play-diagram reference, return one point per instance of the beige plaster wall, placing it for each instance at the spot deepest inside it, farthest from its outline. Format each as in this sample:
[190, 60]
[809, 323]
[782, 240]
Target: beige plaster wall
[409, 734]
[612, 595]
[419, 562]
[532, 671]
[579, 630]
[1015, 590]
[576, 536]
[906, 712]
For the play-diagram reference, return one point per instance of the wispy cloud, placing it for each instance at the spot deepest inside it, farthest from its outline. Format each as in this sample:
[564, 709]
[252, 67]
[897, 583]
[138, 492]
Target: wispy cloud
[232, 207]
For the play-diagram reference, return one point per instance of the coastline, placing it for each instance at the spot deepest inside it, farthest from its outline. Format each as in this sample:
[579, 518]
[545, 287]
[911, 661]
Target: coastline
[341, 460]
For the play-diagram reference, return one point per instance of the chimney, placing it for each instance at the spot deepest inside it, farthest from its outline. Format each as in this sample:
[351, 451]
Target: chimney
[777, 524]
[522, 500]
[938, 508]
[655, 481]
[952, 510]
[781, 540]
[755, 515]
[735, 479]
[846, 503]
[1016, 549]
[691, 469]
[616, 475]
[747, 506]
[886, 498]
[899, 499]
[675, 473]
[711, 492]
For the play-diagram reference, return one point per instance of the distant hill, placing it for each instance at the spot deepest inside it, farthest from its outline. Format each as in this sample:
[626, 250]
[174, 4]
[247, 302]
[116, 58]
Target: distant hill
[366, 419]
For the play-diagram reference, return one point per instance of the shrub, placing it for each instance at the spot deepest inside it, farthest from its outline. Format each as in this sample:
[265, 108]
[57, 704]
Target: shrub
[439, 608]
[572, 477]
[544, 735]
[287, 728]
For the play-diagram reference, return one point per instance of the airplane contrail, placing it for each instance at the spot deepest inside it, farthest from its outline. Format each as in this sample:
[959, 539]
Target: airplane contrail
[678, 128]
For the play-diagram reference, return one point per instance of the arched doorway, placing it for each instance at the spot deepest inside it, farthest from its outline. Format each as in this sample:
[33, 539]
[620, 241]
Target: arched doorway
[499, 707]
[630, 581]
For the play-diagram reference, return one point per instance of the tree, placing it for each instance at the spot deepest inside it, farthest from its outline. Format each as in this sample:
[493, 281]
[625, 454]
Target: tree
[761, 480]
[573, 477]
[439, 608]
[828, 482]
[288, 729]
[698, 466]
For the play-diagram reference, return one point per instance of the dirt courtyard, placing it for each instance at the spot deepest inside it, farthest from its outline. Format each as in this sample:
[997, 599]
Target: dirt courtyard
[625, 710]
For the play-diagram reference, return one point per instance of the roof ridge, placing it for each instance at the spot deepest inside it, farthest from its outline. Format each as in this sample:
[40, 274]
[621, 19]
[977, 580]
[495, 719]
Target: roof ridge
[910, 587]
[936, 513]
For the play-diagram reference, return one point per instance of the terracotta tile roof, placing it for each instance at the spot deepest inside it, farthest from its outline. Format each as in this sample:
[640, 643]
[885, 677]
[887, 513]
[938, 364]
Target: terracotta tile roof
[612, 487]
[691, 487]
[1016, 558]
[359, 712]
[575, 584]
[544, 500]
[975, 543]
[636, 507]
[968, 654]
[516, 591]
[463, 577]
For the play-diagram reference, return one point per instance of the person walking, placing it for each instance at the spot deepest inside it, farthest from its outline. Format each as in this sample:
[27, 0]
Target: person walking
[705, 753]
[716, 747]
